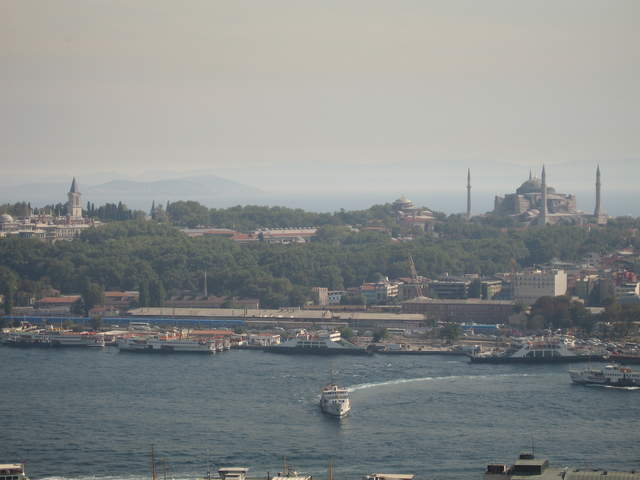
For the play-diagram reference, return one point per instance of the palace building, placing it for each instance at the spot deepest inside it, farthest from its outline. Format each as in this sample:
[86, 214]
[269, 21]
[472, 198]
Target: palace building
[48, 226]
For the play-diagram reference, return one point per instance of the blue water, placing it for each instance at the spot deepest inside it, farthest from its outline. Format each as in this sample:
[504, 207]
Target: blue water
[76, 414]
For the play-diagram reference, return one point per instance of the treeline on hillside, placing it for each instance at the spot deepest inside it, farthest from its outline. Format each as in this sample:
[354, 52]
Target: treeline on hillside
[250, 217]
[135, 255]
[107, 212]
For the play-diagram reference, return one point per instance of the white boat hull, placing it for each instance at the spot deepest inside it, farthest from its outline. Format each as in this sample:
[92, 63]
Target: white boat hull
[165, 346]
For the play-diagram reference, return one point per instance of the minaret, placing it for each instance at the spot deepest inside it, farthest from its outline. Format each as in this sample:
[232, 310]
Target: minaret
[468, 194]
[597, 212]
[74, 207]
[544, 196]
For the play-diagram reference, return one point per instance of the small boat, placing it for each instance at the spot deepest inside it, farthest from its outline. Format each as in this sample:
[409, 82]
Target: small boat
[614, 375]
[12, 471]
[334, 400]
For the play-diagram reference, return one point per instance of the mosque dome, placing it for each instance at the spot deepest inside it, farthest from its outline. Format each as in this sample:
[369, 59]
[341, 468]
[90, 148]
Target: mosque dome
[533, 185]
[403, 202]
[6, 218]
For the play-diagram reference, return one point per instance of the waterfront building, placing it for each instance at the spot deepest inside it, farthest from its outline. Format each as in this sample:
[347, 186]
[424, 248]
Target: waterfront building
[450, 288]
[284, 317]
[461, 310]
[320, 295]
[530, 285]
[57, 305]
[490, 288]
[191, 300]
[335, 296]
[379, 292]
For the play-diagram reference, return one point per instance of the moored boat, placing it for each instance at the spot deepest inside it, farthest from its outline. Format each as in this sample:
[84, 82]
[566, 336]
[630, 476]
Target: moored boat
[165, 345]
[31, 339]
[317, 346]
[334, 400]
[77, 339]
[548, 350]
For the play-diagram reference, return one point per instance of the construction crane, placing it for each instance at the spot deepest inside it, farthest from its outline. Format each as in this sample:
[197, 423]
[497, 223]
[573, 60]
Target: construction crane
[414, 276]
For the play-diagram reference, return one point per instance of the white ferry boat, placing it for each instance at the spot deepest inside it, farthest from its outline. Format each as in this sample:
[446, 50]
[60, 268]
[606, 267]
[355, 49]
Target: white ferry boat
[25, 339]
[165, 345]
[12, 471]
[334, 400]
[614, 375]
[77, 339]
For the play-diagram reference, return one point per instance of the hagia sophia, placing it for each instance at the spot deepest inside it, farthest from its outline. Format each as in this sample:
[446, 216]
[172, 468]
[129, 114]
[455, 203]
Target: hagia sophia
[535, 202]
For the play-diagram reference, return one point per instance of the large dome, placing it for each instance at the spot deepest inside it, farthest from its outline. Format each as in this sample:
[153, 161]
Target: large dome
[6, 218]
[533, 185]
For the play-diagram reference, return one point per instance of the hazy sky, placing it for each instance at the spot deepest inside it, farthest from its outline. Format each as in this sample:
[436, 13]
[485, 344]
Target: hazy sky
[313, 95]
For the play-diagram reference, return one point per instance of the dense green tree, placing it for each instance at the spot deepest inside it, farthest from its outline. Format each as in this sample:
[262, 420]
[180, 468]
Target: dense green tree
[380, 334]
[451, 332]
[346, 333]
[8, 287]
[92, 295]
[156, 293]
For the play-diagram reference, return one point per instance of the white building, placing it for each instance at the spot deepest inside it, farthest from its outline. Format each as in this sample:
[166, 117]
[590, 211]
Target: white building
[530, 285]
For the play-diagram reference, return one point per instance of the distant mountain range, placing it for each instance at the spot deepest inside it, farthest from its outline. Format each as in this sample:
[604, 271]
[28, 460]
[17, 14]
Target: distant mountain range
[218, 192]
[207, 189]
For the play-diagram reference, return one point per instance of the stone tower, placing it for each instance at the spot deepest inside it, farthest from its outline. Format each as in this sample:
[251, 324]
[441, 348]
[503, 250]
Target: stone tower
[74, 207]
[544, 211]
[468, 194]
[597, 211]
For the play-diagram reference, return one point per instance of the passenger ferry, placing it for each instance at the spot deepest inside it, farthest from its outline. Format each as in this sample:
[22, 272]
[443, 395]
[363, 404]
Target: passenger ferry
[334, 400]
[165, 345]
[31, 339]
[77, 339]
[12, 471]
[317, 346]
[614, 375]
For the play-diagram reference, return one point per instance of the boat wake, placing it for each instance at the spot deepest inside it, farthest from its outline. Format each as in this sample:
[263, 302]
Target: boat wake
[630, 389]
[400, 381]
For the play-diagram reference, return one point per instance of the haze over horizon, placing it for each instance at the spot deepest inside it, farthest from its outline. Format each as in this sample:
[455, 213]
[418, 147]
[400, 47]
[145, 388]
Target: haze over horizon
[366, 98]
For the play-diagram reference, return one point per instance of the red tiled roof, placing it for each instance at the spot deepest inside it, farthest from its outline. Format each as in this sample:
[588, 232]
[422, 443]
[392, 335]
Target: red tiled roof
[60, 300]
